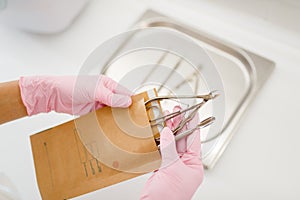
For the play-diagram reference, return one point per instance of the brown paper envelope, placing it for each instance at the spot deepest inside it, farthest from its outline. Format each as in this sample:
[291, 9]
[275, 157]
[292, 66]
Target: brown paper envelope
[96, 150]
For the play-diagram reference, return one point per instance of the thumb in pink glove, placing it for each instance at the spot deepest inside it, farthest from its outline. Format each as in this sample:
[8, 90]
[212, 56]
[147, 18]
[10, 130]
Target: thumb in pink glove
[71, 94]
[179, 175]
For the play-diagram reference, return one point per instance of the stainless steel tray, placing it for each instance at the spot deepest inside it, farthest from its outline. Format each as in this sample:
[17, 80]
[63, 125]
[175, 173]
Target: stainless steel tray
[242, 73]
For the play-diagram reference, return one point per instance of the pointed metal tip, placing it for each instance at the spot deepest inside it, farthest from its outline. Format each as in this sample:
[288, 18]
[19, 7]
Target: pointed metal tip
[206, 122]
[214, 94]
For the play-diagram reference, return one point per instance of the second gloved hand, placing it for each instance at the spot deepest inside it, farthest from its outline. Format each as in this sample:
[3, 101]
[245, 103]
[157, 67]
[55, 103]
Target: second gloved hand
[76, 95]
[181, 170]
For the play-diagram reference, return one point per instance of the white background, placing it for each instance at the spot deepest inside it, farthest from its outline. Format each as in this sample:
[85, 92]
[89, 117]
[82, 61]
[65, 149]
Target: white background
[261, 162]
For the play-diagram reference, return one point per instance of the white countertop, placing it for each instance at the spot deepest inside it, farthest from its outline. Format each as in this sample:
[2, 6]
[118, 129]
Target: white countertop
[261, 161]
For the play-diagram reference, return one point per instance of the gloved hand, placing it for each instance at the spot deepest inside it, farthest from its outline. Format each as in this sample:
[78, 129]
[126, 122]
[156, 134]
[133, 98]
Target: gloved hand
[76, 95]
[181, 171]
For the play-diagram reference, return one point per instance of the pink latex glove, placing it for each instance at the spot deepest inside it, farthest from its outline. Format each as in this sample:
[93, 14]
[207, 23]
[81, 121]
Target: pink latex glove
[71, 94]
[181, 171]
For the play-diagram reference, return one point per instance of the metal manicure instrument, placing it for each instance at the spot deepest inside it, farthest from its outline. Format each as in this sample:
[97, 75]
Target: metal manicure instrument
[160, 120]
[206, 122]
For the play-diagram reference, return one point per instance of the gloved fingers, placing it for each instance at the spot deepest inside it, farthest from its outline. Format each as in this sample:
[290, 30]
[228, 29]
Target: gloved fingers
[194, 121]
[169, 122]
[107, 97]
[180, 144]
[193, 140]
[167, 147]
[98, 105]
[192, 158]
[194, 143]
[178, 118]
[114, 86]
